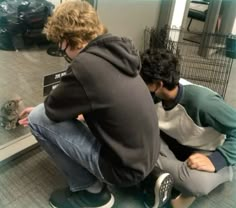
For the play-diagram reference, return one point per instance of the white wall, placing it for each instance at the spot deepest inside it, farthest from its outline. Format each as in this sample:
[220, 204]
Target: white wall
[129, 17]
[177, 19]
[234, 28]
[178, 13]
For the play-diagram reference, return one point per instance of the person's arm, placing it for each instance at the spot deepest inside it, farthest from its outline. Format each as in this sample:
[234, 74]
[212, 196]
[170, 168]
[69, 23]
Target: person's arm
[221, 117]
[68, 100]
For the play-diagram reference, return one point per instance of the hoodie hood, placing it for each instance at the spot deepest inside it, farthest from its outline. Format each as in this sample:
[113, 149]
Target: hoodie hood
[119, 51]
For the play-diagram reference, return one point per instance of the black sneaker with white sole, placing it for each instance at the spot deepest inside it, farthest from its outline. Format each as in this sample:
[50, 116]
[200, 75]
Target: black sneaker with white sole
[81, 199]
[157, 188]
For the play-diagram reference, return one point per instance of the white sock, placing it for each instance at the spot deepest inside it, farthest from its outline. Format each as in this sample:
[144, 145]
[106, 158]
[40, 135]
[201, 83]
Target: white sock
[95, 188]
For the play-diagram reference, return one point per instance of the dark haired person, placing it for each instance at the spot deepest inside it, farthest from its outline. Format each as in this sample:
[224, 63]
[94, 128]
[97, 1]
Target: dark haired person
[198, 129]
[120, 143]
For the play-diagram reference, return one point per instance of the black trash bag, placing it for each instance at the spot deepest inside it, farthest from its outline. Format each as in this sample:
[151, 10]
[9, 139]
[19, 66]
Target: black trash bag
[6, 42]
[22, 22]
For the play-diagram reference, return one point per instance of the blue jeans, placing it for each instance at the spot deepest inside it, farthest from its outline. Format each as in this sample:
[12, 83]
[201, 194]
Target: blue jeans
[72, 146]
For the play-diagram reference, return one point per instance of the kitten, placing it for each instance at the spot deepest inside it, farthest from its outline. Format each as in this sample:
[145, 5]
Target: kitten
[9, 114]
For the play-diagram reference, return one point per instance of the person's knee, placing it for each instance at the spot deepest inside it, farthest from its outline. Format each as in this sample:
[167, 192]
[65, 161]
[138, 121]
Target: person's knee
[37, 115]
[197, 187]
[195, 182]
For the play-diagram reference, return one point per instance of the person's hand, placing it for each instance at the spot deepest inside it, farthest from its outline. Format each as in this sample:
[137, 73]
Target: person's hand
[201, 162]
[80, 117]
[24, 116]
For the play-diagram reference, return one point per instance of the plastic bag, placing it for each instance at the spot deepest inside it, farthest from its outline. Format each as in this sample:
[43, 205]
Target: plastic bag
[19, 19]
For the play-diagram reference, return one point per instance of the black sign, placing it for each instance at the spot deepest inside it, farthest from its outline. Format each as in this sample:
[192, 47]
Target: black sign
[52, 78]
[51, 81]
[49, 88]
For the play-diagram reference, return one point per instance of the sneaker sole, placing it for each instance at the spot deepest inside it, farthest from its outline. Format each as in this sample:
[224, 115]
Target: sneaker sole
[107, 205]
[162, 190]
[163, 187]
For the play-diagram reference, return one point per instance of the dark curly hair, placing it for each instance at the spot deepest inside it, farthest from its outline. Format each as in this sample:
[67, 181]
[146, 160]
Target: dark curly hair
[160, 65]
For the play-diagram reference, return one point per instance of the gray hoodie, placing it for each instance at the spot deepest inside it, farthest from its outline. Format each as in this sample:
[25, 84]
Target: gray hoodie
[104, 85]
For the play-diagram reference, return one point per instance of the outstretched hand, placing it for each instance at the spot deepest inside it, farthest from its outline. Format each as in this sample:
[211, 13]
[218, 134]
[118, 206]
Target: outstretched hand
[24, 116]
[80, 117]
[201, 162]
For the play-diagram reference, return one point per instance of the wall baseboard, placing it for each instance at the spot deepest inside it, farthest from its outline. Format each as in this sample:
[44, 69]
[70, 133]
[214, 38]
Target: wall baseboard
[16, 147]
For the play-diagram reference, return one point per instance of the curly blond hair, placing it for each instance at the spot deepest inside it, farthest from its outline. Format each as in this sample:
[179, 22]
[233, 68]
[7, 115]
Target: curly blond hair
[76, 22]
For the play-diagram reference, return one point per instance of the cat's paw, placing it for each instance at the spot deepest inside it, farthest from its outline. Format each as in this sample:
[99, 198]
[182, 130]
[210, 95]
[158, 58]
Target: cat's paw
[7, 128]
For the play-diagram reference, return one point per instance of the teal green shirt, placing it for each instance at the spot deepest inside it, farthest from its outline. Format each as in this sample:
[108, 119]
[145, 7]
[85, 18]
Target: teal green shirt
[202, 120]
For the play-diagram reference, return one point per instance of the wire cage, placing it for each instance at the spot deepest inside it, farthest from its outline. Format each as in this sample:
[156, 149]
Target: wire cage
[204, 63]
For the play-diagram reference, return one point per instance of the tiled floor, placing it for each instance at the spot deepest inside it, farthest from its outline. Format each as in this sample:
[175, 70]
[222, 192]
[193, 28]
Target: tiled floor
[28, 181]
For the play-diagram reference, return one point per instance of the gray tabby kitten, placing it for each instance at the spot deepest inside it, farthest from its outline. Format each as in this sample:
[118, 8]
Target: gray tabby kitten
[9, 114]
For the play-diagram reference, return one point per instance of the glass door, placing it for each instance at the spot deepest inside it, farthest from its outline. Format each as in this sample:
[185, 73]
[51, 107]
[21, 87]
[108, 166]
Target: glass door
[24, 61]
